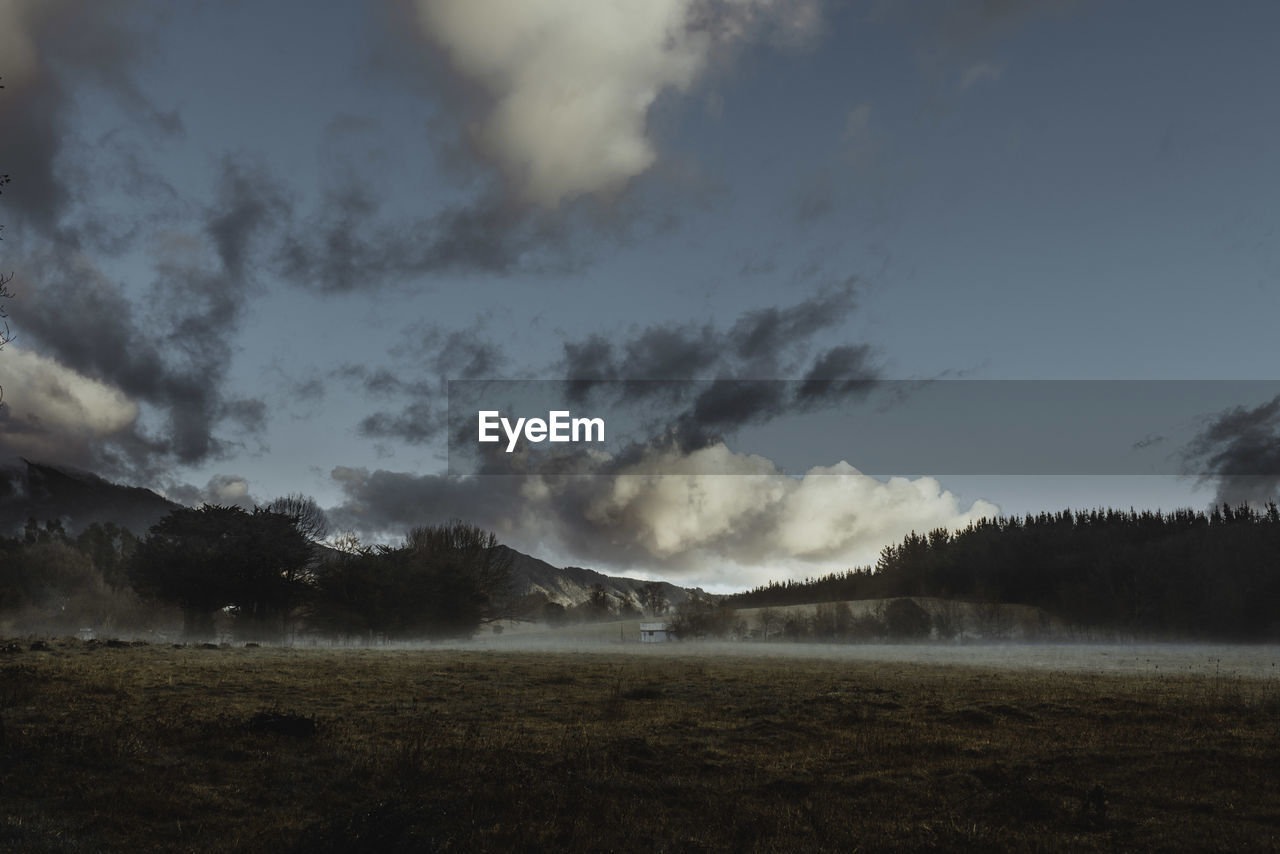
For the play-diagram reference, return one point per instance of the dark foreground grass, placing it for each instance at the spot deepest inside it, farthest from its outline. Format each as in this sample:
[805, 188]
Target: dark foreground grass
[160, 749]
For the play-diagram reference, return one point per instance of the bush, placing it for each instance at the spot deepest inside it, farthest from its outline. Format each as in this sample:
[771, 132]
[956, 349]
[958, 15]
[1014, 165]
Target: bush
[906, 620]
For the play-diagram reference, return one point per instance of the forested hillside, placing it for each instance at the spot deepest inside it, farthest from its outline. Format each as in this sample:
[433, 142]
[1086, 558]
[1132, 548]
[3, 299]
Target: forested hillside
[1179, 574]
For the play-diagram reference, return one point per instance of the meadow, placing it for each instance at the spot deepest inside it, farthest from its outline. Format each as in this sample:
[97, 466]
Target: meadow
[124, 747]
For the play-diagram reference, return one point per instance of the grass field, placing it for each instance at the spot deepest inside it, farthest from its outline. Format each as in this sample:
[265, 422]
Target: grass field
[154, 748]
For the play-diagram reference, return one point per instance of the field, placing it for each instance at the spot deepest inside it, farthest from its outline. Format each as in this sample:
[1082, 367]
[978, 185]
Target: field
[155, 748]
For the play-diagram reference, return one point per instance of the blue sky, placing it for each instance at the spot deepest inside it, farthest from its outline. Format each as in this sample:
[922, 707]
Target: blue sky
[252, 241]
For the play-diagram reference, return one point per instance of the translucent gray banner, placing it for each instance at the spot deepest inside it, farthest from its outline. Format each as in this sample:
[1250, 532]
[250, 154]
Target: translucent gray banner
[880, 427]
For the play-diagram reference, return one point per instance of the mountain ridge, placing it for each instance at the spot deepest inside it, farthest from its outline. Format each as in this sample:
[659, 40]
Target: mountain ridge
[78, 498]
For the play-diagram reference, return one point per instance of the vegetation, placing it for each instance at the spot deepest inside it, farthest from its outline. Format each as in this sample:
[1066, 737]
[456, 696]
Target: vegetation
[148, 748]
[1180, 574]
[258, 575]
[63, 584]
[445, 581]
[215, 558]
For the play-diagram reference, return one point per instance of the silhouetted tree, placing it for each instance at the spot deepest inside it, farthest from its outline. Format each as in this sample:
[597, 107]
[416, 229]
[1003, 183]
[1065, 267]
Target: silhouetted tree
[1166, 574]
[698, 617]
[213, 558]
[470, 576]
[308, 516]
[445, 581]
[906, 620]
[110, 547]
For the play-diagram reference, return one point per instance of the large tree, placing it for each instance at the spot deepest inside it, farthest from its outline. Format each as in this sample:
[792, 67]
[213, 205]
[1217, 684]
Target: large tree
[309, 517]
[218, 558]
[444, 581]
[462, 577]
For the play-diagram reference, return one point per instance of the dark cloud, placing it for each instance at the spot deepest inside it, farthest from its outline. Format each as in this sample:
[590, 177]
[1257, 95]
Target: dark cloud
[457, 354]
[65, 47]
[837, 373]
[390, 503]
[430, 356]
[419, 422]
[348, 244]
[1239, 451]
[1148, 441]
[710, 381]
[251, 205]
[174, 349]
[171, 349]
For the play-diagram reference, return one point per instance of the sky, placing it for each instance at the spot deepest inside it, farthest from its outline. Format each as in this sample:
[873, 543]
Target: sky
[253, 244]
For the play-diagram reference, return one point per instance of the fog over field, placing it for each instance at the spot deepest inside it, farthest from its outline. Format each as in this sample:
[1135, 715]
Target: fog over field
[1218, 661]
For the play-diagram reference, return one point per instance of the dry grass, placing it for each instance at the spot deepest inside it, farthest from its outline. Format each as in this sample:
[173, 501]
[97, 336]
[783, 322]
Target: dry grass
[159, 749]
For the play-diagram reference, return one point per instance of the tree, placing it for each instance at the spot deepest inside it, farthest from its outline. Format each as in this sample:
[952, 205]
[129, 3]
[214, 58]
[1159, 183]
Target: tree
[698, 617]
[470, 572]
[770, 621]
[308, 517]
[653, 598]
[948, 620]
[110, 547]
[553, 614]
[904, 619]
[444, 581]
[354, 594]
[214, 558]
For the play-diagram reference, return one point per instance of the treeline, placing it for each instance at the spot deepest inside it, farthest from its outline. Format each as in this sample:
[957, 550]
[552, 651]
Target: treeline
[1179, 574]
[63, 583]
[835, 622]
[260, 575]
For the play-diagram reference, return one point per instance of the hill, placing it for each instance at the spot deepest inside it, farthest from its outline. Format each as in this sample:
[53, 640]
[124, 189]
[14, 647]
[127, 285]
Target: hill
[76, 498]
[571, 585]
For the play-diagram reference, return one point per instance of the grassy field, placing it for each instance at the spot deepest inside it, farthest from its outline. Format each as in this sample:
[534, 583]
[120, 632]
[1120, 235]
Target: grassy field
[154, 748]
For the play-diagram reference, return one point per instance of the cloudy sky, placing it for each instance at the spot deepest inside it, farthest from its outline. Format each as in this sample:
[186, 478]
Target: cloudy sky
[252, 242]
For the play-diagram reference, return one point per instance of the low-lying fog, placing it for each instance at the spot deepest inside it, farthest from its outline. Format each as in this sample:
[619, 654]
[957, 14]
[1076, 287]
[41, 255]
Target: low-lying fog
[1176, 659]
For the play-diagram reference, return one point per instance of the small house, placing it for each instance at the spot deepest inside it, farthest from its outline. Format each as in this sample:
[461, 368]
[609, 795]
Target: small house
[655, 633]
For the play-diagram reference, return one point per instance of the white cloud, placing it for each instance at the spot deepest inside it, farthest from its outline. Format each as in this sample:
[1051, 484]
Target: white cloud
[228, 490]
[51, 410]
[755, 515]
[570, 83]
[667, 515]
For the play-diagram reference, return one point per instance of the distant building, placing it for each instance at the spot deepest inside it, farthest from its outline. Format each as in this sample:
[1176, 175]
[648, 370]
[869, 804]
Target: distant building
[655, 633]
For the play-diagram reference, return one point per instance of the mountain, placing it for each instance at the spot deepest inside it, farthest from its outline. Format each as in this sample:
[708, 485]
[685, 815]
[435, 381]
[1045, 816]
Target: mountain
[571, 585]
[77, 498]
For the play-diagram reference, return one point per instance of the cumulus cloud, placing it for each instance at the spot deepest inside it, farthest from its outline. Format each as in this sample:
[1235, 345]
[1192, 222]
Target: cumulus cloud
[54, 412]
[568, 86]
[747, 524]
[227, 490]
